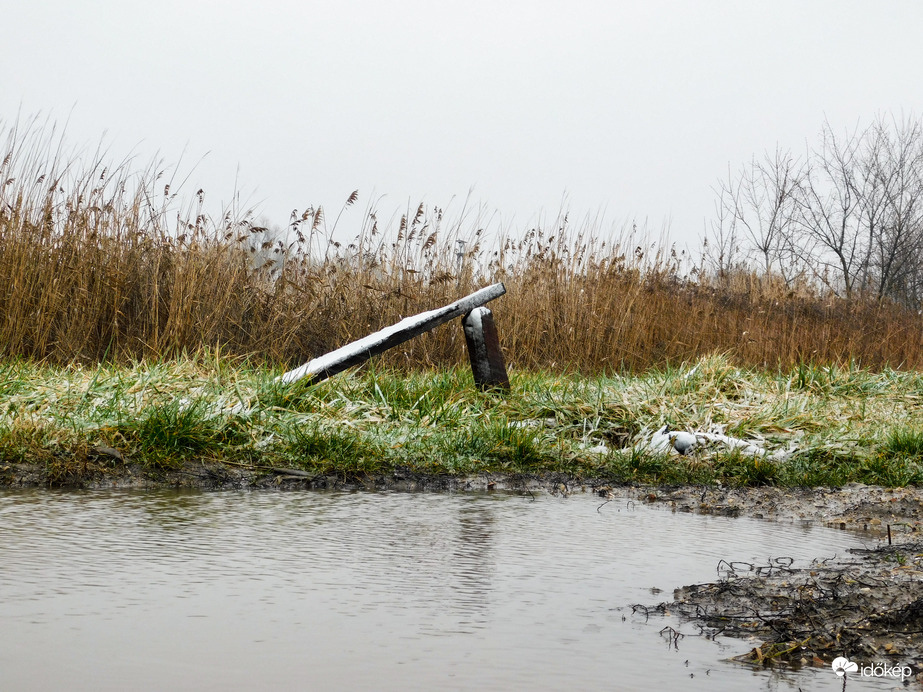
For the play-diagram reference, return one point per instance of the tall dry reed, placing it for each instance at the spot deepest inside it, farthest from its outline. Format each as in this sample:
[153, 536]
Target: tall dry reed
[106, 262]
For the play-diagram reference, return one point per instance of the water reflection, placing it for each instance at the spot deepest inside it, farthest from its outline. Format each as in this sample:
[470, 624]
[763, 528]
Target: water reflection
[473, 563]
[365, 590]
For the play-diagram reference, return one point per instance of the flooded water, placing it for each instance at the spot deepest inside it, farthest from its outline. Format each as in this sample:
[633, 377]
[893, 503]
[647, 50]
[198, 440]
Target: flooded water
[369, 591]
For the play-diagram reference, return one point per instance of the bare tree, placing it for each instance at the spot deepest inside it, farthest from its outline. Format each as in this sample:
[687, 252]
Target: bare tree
[830, 212]
[765, 205]
[895, 164]
[850, 213]
[720, 244]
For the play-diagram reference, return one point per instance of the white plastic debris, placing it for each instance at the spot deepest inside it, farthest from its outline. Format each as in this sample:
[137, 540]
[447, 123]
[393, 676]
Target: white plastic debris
[660, 441]
[746, 448]
[664, 441]
[683, 442]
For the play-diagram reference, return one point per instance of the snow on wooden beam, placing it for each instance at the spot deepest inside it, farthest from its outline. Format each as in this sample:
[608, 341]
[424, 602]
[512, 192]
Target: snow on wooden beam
[360, 351]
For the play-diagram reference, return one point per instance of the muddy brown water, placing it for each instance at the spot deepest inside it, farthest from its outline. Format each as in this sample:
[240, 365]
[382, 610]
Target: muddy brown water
[114, 590]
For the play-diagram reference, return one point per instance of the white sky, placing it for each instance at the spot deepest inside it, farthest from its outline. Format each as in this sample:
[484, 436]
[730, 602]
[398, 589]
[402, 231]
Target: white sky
[634, 108]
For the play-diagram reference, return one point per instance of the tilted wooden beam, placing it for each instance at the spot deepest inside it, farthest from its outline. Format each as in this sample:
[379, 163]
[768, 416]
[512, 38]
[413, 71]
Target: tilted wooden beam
[360, 351]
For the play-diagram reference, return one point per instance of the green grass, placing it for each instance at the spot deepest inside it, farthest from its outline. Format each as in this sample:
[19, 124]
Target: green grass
[167, 434]
[330, 449]
[905, 442]
[842, 424]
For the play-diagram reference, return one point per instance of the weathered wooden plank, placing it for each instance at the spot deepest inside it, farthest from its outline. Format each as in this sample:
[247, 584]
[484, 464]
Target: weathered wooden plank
[359, 351]
[484, 350]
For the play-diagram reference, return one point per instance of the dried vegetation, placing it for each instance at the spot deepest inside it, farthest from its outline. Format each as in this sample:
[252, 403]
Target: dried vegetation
[103, 262]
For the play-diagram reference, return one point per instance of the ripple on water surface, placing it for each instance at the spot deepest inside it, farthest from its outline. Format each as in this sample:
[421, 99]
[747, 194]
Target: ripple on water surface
[116, 590]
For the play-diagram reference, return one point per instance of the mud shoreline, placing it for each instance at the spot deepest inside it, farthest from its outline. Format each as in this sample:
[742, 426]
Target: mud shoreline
[853, 506]
[866, 606]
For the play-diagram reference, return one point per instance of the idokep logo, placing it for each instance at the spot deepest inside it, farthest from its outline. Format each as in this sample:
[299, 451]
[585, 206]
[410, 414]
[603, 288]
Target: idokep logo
[842, 666]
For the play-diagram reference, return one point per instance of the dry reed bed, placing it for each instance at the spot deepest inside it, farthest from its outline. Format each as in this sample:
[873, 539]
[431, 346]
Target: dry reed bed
[106, 262]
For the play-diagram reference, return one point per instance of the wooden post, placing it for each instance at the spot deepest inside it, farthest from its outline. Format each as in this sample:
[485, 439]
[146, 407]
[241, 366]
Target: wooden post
[360, 351]
[484, 350]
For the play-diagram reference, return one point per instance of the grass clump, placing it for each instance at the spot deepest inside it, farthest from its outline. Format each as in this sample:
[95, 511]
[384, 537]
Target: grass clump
[329, 450]
[498, 445]
[167, 434]
[904, 442]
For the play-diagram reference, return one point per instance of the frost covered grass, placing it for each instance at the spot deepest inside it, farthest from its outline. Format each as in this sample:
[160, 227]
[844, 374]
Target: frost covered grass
[835, 425]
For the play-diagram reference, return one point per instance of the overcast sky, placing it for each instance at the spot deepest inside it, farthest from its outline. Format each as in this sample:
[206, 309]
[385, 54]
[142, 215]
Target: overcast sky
[631, 108]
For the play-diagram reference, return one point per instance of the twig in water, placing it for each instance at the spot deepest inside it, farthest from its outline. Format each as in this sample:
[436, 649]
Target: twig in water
[673, 636]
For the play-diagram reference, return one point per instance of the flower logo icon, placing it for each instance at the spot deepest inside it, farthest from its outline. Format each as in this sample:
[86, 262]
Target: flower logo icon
[843, 665]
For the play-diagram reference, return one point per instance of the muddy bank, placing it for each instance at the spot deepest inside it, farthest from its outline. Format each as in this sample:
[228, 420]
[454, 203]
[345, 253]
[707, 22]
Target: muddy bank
[852, 507]
[866, 606]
